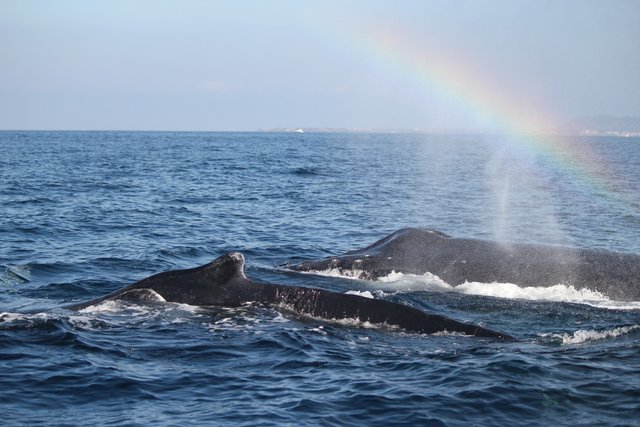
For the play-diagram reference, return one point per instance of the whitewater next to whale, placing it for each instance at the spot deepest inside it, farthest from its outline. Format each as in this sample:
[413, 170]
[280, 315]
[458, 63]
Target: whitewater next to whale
[463, 262]
[455, 261]
[223, 282]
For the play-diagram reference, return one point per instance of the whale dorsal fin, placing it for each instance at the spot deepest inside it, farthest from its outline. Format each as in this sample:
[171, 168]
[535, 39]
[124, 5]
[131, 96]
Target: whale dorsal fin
[227, 267]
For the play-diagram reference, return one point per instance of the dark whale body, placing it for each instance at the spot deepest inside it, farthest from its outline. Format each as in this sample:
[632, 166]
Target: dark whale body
[455, 260]
[223, 283]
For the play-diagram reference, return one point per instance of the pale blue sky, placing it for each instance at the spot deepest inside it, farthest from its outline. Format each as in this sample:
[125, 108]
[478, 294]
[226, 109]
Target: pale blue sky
[245, 65]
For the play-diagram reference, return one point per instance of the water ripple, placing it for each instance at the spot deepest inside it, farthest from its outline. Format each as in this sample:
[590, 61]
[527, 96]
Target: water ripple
[85, 213]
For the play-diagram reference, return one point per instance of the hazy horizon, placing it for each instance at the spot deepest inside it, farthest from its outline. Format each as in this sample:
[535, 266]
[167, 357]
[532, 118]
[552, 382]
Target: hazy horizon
[380, 65]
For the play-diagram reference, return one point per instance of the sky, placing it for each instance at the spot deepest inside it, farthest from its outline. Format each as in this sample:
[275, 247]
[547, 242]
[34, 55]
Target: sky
[248, 65]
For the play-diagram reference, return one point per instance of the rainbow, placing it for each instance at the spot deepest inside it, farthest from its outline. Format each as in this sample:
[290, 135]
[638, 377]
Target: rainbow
[526, 129]
[443, 73]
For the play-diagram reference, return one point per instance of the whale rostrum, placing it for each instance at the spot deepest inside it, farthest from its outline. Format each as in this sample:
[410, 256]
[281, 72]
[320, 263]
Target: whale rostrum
[459, 260]
[223, 282]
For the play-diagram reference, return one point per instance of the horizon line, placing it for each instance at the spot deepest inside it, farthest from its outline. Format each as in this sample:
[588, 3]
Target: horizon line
[417, 131]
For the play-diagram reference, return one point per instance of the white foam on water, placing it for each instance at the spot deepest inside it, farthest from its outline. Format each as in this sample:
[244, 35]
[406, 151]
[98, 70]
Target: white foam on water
[17, 317]
[118, 305]
[223, 321]
[77, 321]
[353, 322]
[82, 322]
[560, 293]
[236, 323]
[446, 333]
[9, 317]
[365, 294]
[338, 272]
[403, 278]
[280, 319]
[431, 282]
[107, 306]
[582, 336]
[128, 312]
[244, 319]
[193, 309]
[319, 329]
[556, 293]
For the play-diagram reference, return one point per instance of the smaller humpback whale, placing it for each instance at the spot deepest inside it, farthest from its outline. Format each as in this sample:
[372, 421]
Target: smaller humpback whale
[457, 260]
[222, 282]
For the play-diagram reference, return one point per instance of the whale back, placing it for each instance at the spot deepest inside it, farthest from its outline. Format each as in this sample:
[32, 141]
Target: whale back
[401, 240]
[460, 260]
[215, 283]
[403, 243]
[405, 250]
[220, 282]
[223, 282]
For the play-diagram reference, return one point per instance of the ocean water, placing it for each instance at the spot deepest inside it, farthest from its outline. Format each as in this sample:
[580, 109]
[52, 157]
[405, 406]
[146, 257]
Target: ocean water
[85, 213]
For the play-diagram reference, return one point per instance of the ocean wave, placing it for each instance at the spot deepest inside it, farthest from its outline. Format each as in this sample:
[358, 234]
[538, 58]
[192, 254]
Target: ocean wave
[8, 317]
[244, 318]
[13, 275]
[157, 311]
[587, 335]
[306, 171]
[49, 320]
[126, 313]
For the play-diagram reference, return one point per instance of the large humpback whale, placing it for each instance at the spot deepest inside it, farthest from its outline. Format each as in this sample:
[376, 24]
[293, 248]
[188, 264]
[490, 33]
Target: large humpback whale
[222, 282]
[457, 260]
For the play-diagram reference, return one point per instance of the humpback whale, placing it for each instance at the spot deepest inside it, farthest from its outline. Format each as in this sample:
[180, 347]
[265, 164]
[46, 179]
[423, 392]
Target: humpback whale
[223, 282]
[460, 260]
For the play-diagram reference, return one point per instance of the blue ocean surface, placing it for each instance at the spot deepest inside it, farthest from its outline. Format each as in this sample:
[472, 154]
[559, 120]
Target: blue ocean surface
[85, 213]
